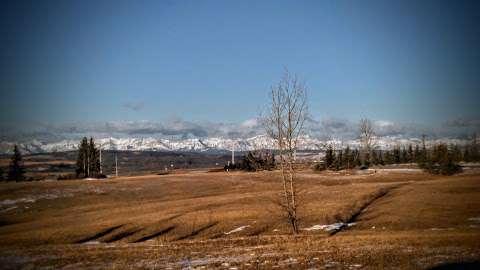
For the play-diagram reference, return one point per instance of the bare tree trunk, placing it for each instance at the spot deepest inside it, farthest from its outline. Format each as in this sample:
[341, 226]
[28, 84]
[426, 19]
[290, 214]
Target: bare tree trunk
[284, 124]
[367, 139]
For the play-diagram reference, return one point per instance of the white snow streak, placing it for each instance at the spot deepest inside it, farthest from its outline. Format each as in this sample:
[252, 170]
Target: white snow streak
[329, 227]
[241, 228]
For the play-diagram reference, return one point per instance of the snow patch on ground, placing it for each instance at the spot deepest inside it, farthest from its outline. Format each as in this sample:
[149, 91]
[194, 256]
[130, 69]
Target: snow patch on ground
[329, 227]
[241, 228]
[21, 200]
[34, 198]
[51, 195]
[405, 170]
[92, 179]
[8, 209]
[224, 260]
[92, 243]
[442, 229]
[474, 219]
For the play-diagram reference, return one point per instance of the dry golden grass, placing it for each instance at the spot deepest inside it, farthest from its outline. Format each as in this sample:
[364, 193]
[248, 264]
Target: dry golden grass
[403, 220]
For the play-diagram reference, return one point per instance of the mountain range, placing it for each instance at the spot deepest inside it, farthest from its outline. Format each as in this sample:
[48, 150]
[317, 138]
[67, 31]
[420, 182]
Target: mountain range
[213, 144]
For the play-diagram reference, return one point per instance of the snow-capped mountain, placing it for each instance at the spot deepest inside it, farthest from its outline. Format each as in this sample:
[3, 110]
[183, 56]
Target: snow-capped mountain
[206, 144]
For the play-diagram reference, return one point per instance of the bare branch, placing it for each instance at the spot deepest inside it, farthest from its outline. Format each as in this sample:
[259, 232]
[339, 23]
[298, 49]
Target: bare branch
[284, 123]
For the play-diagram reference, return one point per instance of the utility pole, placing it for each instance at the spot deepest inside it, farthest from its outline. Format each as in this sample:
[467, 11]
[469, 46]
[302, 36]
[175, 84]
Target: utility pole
[116, 165]
[233, 153]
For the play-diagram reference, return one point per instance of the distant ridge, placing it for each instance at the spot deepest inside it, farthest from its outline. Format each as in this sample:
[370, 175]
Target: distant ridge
[206, 144]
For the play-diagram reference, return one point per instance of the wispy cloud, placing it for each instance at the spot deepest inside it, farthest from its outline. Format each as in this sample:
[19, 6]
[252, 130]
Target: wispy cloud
[134, 105]
[328, 127]
[461, 122]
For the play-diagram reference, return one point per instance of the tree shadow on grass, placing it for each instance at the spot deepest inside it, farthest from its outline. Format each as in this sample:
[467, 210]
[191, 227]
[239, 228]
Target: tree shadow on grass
[98, 234]
[458, 266]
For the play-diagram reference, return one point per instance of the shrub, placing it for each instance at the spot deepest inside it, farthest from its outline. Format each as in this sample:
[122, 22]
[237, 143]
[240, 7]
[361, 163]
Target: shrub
[441, 161]
[254, 161]
[319, 166]
[68, 176]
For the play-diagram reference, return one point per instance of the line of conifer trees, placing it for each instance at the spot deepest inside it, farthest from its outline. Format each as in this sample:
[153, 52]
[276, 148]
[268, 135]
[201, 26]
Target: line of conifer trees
[88, 159]
[439, 158]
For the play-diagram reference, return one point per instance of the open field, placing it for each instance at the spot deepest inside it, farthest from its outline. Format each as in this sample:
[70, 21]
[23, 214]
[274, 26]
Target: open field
[399, 219]
[52, 165]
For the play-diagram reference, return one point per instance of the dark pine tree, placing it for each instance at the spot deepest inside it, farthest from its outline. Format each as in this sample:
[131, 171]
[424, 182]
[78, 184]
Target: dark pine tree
[474, 153]
[404, 155]
[329, 157]
[445, 161]
[396, 155]
[416, 154]
[339, 160]
[410, 154]
[423, 154]
[16, 170]
[374, 157]
[347, 157]
[388, 157]
[456, 153]
[466, 155]
[82, 158]
[93, 160]
[381, 160]
[356, 158]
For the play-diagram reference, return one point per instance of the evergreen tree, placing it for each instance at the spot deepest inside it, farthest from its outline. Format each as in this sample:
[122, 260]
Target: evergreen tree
[329, 157]
[381, 161]
[339, 160]
[1, 174]
[88, 159]
[396, 155]
[93, 160]
[456, 153]
[82, 158]
[404, 156]
[466, 155]
[410, 154]
[441, 161]
[423, 154]
[416, 154]
[374, 157]
[474, 153]
[347, 158]
[254, 161]
[356, 158]
[388, 157]
[16, 170]
[368, 159]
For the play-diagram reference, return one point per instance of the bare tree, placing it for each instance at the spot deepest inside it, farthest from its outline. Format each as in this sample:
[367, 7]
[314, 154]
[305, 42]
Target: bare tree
[284, 123]
[367, 139]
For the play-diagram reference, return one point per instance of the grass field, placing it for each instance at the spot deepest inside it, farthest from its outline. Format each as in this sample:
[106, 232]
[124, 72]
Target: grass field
[204, 220]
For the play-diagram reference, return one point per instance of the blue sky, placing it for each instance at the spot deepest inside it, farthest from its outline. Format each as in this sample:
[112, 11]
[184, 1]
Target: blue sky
[94, 61]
